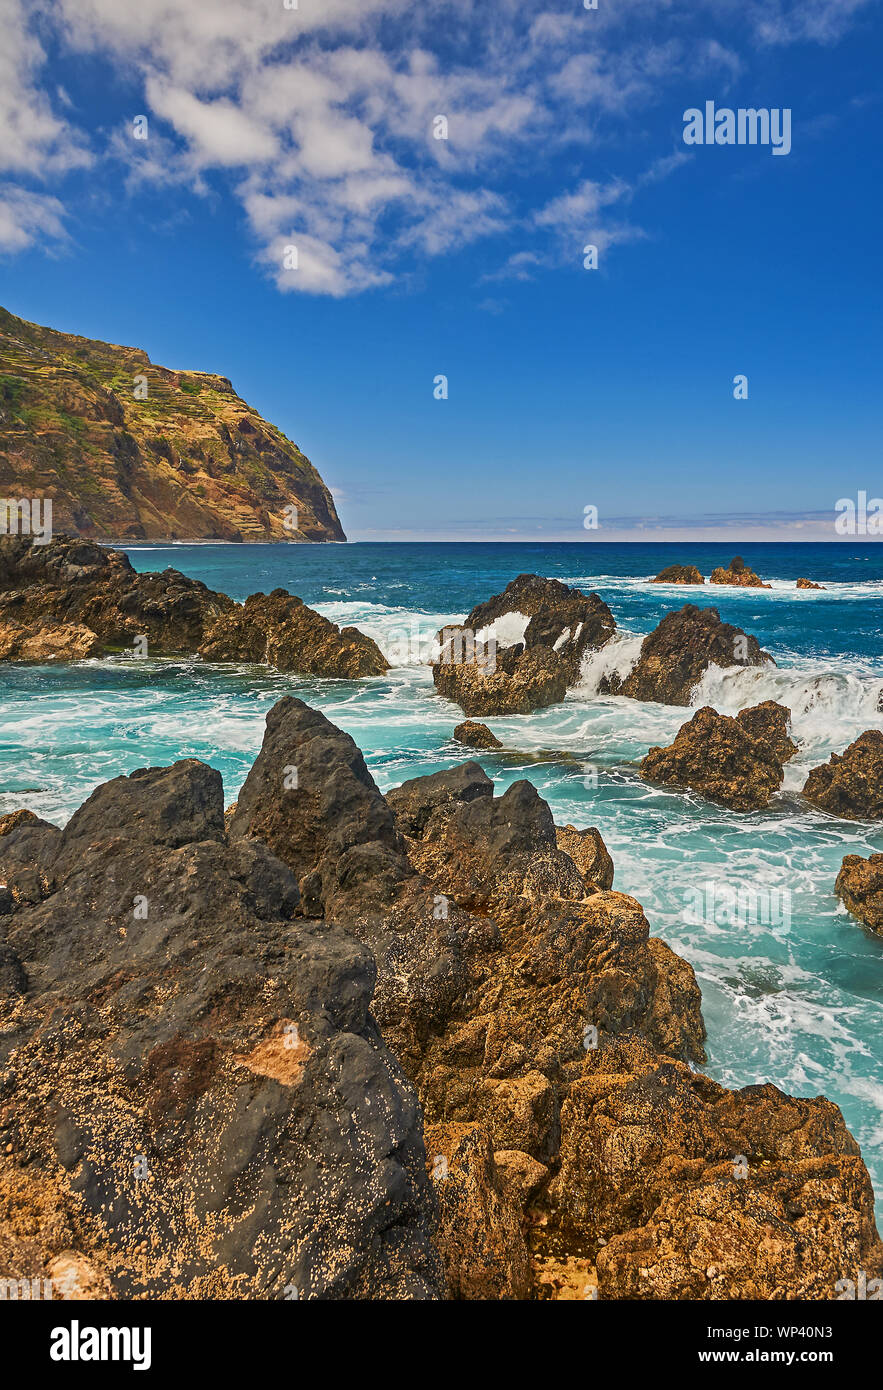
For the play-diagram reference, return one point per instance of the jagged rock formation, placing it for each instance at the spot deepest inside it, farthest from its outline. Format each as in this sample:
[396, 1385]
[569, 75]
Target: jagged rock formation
[188, 460]
[768, 724]
[547, 1033]
[569, 1144]
[513, 681]
[677, 653]
[859, 885]
[589, 853]
[698, 1192]
[47, 641]
[281, 630]
[735, 761]
[476, 735]
[341, 839]
[192, 1072]
[54, 598]
[850, 784]
[679, 574]
[542, 630]
[739, 574]
[79, 582]
[808, 584]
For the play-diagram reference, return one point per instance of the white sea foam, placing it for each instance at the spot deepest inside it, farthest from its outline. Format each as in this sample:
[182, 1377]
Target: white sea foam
[616, 657]
[829, 708]
[780, 589]
[406, 637]
[508, 630]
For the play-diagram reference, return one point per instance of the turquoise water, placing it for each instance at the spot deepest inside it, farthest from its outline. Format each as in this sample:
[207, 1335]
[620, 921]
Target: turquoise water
[792, 985]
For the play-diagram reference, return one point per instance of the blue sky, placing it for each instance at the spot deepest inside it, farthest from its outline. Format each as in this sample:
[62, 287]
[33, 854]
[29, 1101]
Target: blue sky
[270, 127]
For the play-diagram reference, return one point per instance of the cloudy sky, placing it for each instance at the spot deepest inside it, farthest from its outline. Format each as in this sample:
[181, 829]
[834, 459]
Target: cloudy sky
[273, 125]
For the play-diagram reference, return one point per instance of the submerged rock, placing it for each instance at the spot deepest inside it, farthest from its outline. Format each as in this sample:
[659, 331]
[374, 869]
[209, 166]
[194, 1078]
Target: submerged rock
[734, 761]
[193, 1071]
[850, 784]
[739, 574]
[679, 574]
[678, 652]
[522, 649]
[860, 887]
[476, 735]
[71, 599]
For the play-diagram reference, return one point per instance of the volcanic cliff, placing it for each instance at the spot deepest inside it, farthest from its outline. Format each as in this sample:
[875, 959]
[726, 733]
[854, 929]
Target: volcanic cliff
[128, 450]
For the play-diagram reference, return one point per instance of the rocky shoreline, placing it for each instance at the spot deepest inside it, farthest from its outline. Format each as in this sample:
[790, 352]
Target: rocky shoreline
[329, 1043]
[74, 598]
[349, 1045]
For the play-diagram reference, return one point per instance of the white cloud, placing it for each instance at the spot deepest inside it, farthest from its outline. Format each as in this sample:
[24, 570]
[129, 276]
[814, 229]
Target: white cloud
[27, 218]
[804, 21]
[321, 268]
[218, 132]
[320, 119]
[33, 139]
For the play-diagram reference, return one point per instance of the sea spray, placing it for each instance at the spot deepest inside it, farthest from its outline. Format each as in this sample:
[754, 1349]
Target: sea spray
[615, 658]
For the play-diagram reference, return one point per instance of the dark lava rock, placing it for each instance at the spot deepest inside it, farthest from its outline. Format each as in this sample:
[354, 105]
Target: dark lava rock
[83, 588]
[563, 624]
[850, 784]
[721, 758]
[193, 1078]
[860, 886]
[679, 574]
[677, 653]
[562, 618]
[310, 797]
[341, 839]
[738, 574]
[27, 850]
[195, 1100]
[415, 801]
[476, 735]
[281, 630]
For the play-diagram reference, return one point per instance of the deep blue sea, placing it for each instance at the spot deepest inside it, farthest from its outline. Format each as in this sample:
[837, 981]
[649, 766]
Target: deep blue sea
[792, 985]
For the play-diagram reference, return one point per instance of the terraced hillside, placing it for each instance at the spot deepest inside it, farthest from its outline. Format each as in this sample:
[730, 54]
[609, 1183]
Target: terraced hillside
[130, 450]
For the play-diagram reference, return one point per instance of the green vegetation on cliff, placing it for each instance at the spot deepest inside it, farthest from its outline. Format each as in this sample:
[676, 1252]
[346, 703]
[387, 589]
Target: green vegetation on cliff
[129, 450]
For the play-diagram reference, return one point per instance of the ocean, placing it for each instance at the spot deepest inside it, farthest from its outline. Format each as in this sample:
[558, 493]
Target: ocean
[792, 985]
